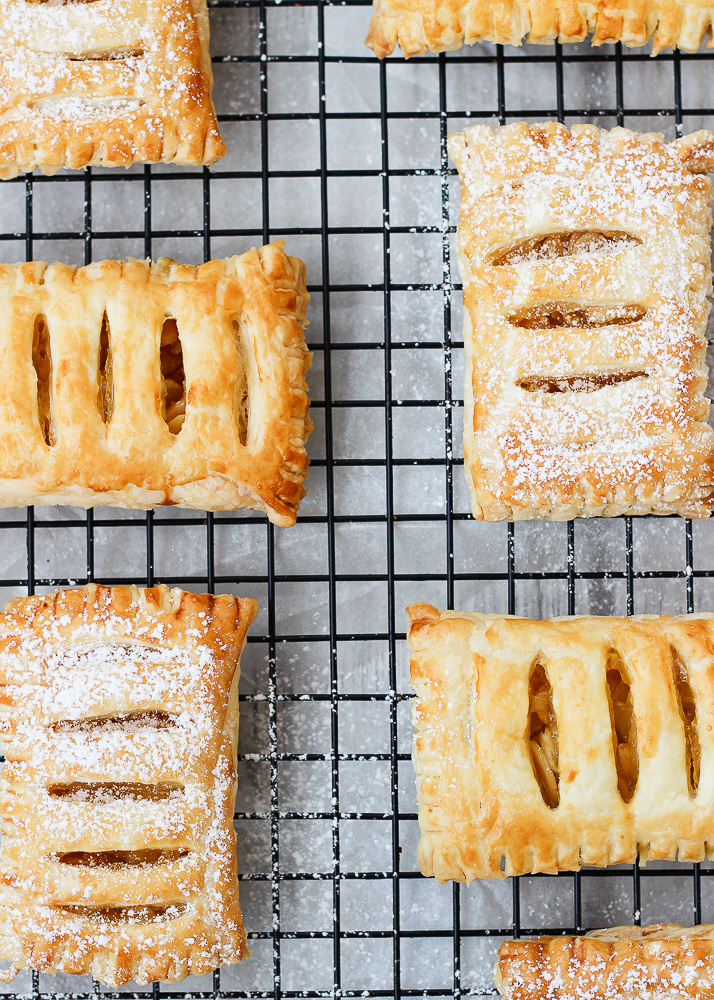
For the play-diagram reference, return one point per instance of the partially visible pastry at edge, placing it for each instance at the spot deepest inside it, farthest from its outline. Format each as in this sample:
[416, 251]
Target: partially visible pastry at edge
[541, 746]
[440, 25]
[659, 962]
[105, 84]
[137, 384]
[119, 725]
[585, 260]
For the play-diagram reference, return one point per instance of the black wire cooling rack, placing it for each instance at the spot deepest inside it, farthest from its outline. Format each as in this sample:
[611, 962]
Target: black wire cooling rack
[320, 131]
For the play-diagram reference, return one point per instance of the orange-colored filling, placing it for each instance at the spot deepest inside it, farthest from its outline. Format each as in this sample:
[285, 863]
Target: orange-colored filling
[624, 730]
[543, 736]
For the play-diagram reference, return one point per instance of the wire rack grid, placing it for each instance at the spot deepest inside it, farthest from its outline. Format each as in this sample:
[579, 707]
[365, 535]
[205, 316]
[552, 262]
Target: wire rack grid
[345, 157]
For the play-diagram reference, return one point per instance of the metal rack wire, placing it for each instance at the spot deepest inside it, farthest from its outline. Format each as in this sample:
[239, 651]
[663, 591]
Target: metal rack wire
[331, 895]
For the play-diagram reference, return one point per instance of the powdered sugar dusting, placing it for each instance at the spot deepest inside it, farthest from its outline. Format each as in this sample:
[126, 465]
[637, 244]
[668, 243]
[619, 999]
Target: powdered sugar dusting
[638, 444]
[662, 962]
[131, 85]
[157, 775]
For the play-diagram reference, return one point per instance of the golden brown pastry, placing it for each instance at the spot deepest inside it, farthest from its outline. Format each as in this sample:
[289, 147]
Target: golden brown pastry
[660, 962]
[585, 259]
[119, 723]
[440, 25]
[105, 84]
[541, 746]
[133, 385]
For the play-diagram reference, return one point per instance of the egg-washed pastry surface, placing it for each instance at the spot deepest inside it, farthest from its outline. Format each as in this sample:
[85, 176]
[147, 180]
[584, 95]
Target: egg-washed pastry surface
[541, 746]
[105, 84]
[585, 260]
[659, 962]
[138, 384]
[120, 724]
[440, 25]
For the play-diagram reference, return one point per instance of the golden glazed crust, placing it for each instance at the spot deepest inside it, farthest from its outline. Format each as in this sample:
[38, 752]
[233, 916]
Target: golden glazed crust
[240, 323]
[482, 811]
[119, 723]
[660, 962]
[441, 25]
[101, 84]
[585, 260]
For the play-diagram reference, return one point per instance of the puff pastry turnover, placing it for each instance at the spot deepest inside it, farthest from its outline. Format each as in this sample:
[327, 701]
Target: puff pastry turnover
[585, 259]
[546, 745]
[119, 719]
[438, 25]
[660, 962]
[105, 84]
[132, 384]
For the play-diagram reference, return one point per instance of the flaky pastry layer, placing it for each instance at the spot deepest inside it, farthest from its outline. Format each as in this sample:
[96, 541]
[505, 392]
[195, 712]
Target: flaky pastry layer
[541, 746]
[120, 723]
[441, 25]
[585, 260]
[659, 962]
[102, 84]
[84, 418]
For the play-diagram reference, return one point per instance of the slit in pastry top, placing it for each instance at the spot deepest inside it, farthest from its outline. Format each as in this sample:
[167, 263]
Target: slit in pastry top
[688, 714]
[577, 243]
[542, 734]
[240, 391]
[124, 722]
[561, 315]
[584, 382]
[107, 792]
[105, 372]
[145, 858]
[624, 729]
[140, 913]
[105, 55]
[79, 108]
[173, 376]
[42, 363]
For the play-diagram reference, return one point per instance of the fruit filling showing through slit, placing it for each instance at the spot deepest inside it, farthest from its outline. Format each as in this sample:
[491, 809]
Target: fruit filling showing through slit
[120, 859]
[104, 792]
[577, 383]
[105, 374]
[173, 377]
[125, 722]
[138, 914]
[106, 55]
[624, 729]
[559, 315]
[543, 735]
[688, 713]
[586, 242]
[42, 363]
[240, 391]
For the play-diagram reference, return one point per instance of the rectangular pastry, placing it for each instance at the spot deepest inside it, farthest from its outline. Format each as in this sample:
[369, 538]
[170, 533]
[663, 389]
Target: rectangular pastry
[441, 25]
[120, 722]
[585, 260]
[105, 84]
[541, 746]
[138, 384]
[660, 962]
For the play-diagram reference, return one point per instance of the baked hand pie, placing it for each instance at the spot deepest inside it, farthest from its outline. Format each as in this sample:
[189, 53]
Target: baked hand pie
[138, 384]
[119, 724]
[441, 25]
[660, 962]
[105, 84]
[541, 746]
[585, 260]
